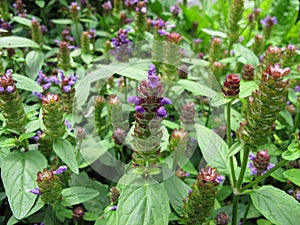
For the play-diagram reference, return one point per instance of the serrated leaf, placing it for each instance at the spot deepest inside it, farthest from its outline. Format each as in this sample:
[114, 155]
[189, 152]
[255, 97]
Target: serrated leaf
[65, 151]
[177, 190]
[213, 148]
[197, 89]
[247, 56]
[214, 33]
[18, 173]
[276, 205]
[293, 175]
[33, 63]
[17, 42]
[75, 195]
[26, 83]
[135, 203]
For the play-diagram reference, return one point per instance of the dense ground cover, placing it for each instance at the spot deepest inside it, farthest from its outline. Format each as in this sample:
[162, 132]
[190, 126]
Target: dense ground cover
[150, 112]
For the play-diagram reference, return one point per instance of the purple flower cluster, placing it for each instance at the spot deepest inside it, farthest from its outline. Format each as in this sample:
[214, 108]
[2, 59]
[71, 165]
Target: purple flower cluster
[61, 44]
[107, 6]
[295, 193]
[67, 83]
[174, 9]
[20, 8]
[129, 3]
[66, 35]
[268, 21]
[122, 45]
[141, 7]
[60, 170]
[68, 125]
[5, 25]
[260, 163]
[162, 26]
[151, 88]
[7, 84]
[45, 82]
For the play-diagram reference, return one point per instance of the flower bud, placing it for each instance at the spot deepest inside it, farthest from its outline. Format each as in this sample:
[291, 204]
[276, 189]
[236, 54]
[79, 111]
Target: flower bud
[78, 213]
[260, 163]
[248, 72]
[222, 219]
[231, 85]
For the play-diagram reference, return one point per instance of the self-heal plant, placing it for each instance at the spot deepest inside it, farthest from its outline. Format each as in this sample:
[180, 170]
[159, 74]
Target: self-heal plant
[11, 103]
[260, 163]
[201, 198]
[149, 107]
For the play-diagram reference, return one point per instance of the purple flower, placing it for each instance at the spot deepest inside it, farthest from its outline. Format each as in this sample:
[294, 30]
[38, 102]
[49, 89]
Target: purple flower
[35, 191]
[68, 124]
[1, 89]
[161, 112]
[165, 101]
[162, 32]
[67, 88]
[220, 179]
[174, 9]
[260, 163]
[268, 21]
[153, 81]
[197, 41]
[60, 170]
[114, 208]
[152, 70]
[10, 89]
[107, 6]
[134, 100]
[298, 196]
[190, 191]
[140, 109]
[297, 88]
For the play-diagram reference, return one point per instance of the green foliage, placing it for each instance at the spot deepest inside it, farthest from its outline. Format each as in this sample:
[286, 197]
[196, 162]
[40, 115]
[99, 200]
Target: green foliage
[18, 174]
[276, 205]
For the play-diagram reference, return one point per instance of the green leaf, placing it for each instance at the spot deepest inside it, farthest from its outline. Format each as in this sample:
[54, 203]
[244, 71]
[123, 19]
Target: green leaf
[109, 217]
[263, 222]
[33, 63]
[276, 205]
[293, 175]
[246, 88]
[214, 33]
[18, 173]
[213, 148]
[8, 142]
[26, 136]
[4, 152]
[17, 42]
[62, 21]
[75, 195]
[247, 56]
[171, 124]
[65, 151]
[177, 190]
[292, 153]
[22, 21]
[40, 3]
[219, 100]
[88, 216]
[87, 58]
[97, 204]
[144, 205]
[91, 151]
[197, 89]
[286, 13]
[198, 62]
[235, 148]
[26, 83]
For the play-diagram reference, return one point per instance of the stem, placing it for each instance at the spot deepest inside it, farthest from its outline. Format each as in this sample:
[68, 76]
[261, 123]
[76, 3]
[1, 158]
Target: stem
[229, 142]
[259, 179]
[243, 167]
[246, 213]
[296, 124]
[235, 208]
[185, 3]
[77, 33]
